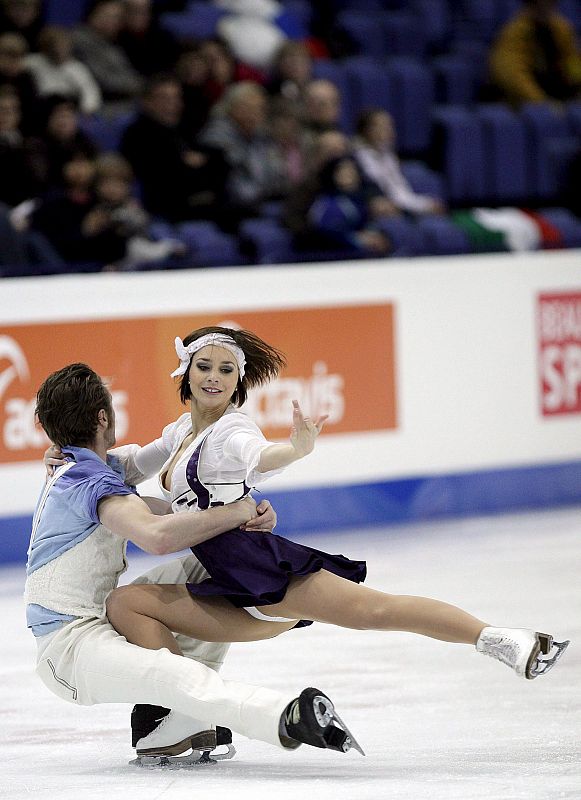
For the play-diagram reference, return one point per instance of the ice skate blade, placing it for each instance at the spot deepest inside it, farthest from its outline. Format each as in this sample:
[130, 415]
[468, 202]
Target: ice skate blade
[197, 758]
[349, 741]
[545, 655]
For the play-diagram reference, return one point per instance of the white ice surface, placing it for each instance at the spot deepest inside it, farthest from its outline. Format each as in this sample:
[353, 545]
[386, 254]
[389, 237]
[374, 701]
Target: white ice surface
[438, 721]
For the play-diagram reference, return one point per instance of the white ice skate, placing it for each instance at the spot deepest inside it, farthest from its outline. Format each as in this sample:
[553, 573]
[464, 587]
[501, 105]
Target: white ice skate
[528, 652]
[178, 733]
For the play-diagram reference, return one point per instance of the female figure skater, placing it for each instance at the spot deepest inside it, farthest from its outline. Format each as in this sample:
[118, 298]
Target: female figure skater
[259, 587]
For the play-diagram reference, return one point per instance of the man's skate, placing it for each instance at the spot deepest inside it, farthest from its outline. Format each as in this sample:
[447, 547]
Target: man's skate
[311, 719]
[528, 652]
[161, 736]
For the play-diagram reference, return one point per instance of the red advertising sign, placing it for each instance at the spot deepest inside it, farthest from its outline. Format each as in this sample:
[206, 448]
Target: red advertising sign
[559, 328]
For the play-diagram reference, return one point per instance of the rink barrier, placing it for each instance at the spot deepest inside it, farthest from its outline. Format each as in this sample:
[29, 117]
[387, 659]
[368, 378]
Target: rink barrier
[418, 499]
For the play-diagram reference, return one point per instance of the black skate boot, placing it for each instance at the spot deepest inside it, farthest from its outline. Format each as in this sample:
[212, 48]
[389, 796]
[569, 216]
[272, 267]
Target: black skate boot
[311, 719]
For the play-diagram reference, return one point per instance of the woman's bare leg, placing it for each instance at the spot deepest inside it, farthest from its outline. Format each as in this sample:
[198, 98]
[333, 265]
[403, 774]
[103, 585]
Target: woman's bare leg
[328, 598]
[147, 615]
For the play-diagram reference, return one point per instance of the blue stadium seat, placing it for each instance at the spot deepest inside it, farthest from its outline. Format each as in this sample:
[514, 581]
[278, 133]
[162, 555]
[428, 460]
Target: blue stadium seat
[544, 127]
[208, 245]
[404, 34]
[64, 12]
[403, 233]
[459, 145]
[443, 238]
[476, 20]
[424, 180]
[456, 79]
[370, 86]
[363, 28]
[106, 132]
[413, 97]
[198, 21]
[433, 16]
[574, 117]
[505, 155]
[267, 241]
[566, 222]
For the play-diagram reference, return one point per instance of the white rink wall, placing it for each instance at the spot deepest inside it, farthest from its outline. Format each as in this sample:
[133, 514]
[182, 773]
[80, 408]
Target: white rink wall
[485, 362]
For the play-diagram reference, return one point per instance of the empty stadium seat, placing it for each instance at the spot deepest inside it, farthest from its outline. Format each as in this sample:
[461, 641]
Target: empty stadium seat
[366, 33]
[424, 180]
[544, 126]
[442, 238]
[566, 223]
[369, 85]
[266, 241]
[208, 245]
[197, 21]
[459, 148]
[505, 154]
[456, 79]
[412, 85]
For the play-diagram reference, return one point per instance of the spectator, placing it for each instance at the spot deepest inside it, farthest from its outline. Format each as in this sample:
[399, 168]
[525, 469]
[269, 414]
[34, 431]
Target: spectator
[292, 71]
[56, 72]
[339, 217]
[22, 251]
[96, 44]
[17, 179]
[123, 224]
[224, 69]
[180, 179]
[193, 73]
[322, 108]
[13, 49]
[64, 216]
[376, 155]
[289, 145]
[327, 146]
[60, 140]
[535, 57]
[23, 17]
[149, 48]
[237, 128]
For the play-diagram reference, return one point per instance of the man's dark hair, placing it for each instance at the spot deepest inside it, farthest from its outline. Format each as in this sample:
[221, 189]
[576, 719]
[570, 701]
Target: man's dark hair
[68, 405]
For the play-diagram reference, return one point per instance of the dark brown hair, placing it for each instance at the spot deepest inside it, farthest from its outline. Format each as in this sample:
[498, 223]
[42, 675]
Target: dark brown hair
[68, 405]
[263, 362]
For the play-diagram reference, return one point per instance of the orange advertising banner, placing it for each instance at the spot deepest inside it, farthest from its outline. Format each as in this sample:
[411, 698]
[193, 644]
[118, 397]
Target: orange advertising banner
[340, 362]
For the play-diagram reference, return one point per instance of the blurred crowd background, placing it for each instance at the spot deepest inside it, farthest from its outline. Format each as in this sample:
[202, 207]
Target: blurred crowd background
[166, 134]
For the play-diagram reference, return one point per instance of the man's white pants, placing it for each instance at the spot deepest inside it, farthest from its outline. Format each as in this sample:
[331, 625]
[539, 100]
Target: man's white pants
[88, 662]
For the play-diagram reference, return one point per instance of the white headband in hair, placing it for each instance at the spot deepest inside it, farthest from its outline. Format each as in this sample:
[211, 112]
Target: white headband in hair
[219, 339]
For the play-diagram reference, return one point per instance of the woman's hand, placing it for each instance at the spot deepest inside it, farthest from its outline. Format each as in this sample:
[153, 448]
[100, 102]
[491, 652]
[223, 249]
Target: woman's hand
[53, 458]
[304, 431]
[265, 522]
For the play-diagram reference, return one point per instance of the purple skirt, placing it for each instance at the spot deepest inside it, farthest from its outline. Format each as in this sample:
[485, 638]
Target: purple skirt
[251, 569]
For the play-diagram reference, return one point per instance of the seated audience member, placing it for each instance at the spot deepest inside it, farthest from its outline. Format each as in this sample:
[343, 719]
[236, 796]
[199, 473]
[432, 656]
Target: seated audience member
[17, 177]
[180, 179]
[328, 146]
[291, 72]
[224, 69]
[376, 155]
[56, 72]
[64, 216]
[148, 46]
[23, 17]
[60, 139]
[193, 74]
[121, 223]
[321, 108]
[237, 127]
[24, 251]
[339, 217]
[535, 57]
[96, 44]
[289, 143]
[13, 73]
